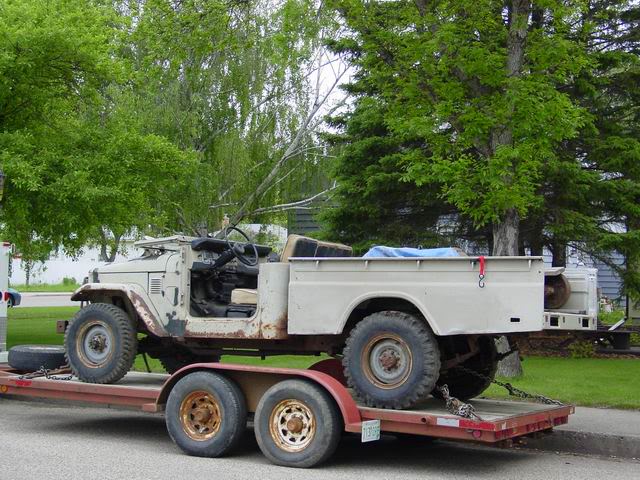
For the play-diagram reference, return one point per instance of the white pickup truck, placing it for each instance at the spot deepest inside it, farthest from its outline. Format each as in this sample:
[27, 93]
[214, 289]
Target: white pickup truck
[402, 326]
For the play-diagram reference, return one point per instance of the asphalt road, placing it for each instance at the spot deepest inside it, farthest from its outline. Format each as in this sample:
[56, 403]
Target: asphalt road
[46, 300]
[38, 440]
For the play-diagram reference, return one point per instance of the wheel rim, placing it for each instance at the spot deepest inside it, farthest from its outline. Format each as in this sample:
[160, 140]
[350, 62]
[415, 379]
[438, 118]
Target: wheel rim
[387, 360]
[200, 415]
[94, 343]
[292, 425]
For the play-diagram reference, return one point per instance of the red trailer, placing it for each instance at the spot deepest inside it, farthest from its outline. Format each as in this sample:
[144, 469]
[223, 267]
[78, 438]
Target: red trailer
[298, 415]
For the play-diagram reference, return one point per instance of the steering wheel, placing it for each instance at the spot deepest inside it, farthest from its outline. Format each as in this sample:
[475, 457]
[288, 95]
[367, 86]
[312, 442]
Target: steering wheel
[239, 250]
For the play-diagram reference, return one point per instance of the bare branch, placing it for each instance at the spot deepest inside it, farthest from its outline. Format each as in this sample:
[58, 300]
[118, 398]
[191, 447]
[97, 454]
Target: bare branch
[289, 206]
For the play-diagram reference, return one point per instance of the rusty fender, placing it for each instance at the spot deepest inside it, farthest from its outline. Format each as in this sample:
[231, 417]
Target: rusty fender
[137, 300]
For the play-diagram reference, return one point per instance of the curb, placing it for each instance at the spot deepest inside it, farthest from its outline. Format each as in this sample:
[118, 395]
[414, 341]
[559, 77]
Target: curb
[586, 443]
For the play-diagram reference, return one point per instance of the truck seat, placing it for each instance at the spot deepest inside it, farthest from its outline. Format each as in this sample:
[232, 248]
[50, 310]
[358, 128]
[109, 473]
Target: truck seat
[244, 296]
[299, 246]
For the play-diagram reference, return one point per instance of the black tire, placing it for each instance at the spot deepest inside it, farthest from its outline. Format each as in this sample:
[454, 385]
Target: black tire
[218, 397]
[464, 385]
[318, 418]
[100, 343]
[415, 353]
[29, 358]
[10, 301]
[172, 364]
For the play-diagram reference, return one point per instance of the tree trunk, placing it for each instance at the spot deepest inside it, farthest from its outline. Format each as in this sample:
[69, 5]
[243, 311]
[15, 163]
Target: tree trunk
[505, 234]
[559, 253]
[27, 265]
[510, 366]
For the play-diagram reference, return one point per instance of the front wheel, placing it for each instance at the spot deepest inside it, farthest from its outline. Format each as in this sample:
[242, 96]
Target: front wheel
[391, 360]
[100, 343]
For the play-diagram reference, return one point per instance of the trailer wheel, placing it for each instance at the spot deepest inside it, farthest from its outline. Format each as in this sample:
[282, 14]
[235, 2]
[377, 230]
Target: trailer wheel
[206, 414]
[100, 343]
[297, 424]
[465, 385]
[29, 358]
[391, 360]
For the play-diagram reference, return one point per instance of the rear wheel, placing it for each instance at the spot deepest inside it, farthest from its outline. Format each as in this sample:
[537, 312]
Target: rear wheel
[100, 343]
[462, 382]
[297, 424]
[391, 360]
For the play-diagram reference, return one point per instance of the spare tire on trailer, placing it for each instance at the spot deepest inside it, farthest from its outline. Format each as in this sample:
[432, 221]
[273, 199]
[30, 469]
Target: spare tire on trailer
[29, 358]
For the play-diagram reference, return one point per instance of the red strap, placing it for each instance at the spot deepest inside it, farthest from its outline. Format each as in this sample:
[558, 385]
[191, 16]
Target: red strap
[481, 258]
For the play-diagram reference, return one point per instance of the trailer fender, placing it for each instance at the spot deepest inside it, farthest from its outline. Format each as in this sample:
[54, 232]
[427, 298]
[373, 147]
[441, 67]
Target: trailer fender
[254, 381]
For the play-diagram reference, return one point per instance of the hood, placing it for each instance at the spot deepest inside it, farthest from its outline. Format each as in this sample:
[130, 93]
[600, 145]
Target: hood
[150, 263]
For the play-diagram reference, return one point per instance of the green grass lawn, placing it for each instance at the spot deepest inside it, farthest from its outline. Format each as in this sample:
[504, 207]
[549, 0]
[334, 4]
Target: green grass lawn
[47, 287]
[588, 382]
[36, 325]
[591, 382]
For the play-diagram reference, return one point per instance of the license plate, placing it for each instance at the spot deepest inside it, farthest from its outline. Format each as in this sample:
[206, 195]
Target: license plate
[370, 431]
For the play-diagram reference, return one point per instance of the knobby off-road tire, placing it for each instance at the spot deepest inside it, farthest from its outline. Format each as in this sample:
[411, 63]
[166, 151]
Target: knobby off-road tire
[297, 424]
[206, 414]
[391, 360]
[29, 358]
[100, 343]
[464, 385]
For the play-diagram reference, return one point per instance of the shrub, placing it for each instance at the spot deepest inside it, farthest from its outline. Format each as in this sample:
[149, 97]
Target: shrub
[610, 318]
[582, 349]
[69, 281]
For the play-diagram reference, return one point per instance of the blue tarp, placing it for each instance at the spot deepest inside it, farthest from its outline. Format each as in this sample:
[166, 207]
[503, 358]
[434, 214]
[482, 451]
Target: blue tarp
[380, 251]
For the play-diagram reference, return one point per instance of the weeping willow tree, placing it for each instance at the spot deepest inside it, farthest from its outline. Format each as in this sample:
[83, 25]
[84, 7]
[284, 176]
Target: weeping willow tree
[239, 83]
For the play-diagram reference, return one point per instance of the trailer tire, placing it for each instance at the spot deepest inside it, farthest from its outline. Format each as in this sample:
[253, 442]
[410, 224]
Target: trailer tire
[29, 358]
[297, 424]
[464, 385]
[206, 414]
[100, 343]
[391, 360]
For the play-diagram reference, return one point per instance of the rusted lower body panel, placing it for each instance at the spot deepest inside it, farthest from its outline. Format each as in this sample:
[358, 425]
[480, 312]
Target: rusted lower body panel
[501, 422]
[134, 294]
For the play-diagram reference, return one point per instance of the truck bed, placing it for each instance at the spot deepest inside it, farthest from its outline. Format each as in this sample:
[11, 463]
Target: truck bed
[448, 291]
[501, 420]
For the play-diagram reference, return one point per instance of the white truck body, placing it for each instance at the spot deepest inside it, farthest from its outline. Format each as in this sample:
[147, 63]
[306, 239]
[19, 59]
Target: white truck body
[324, 291]
[316, 296]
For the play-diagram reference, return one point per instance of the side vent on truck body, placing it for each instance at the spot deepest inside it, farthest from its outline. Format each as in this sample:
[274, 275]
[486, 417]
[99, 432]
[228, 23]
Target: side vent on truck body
[155, 286]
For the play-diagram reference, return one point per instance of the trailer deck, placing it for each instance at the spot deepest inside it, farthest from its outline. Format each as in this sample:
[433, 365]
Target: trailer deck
[500, 420]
